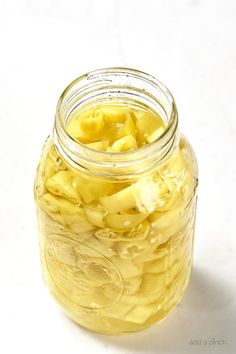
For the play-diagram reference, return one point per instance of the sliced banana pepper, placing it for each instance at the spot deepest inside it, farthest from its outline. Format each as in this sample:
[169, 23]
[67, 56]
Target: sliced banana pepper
[62, 184]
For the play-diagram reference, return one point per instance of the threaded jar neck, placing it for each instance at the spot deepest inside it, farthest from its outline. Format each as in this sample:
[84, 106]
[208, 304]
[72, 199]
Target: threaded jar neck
[119, 84]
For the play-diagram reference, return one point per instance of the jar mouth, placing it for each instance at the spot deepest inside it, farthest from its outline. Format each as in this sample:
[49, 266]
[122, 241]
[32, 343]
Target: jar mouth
[119, 83]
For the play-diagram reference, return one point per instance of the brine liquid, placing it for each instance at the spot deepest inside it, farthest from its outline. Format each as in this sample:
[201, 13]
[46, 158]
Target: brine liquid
[116, 255]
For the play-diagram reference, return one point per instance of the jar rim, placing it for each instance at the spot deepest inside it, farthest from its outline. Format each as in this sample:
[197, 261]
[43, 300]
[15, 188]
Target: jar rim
[67, 145]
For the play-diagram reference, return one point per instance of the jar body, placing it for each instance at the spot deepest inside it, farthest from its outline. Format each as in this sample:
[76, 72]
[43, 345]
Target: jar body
[117, 254]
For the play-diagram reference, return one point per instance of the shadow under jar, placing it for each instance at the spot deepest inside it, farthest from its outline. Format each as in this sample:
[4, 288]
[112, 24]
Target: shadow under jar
[116, 224]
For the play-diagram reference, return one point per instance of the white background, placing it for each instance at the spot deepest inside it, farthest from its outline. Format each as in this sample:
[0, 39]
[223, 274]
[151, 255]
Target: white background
[190, 45]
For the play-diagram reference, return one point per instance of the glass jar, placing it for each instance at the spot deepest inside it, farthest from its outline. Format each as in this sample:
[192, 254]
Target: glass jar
[116, 229]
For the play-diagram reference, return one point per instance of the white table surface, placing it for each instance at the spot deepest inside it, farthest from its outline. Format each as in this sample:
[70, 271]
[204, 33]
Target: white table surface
[190, 45]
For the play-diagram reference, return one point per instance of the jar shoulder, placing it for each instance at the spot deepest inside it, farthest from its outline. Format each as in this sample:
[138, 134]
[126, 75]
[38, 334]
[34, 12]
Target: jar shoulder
[189, 155]
[168, 186]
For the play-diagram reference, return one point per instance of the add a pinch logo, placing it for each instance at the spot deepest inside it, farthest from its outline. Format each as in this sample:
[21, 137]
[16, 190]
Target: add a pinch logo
[208, 342]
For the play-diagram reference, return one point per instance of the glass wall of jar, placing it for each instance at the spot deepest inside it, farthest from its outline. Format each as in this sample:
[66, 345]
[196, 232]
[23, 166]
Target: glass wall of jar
[116, 217]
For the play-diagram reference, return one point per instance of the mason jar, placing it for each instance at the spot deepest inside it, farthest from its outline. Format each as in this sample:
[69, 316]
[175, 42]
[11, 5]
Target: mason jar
[116, 228]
